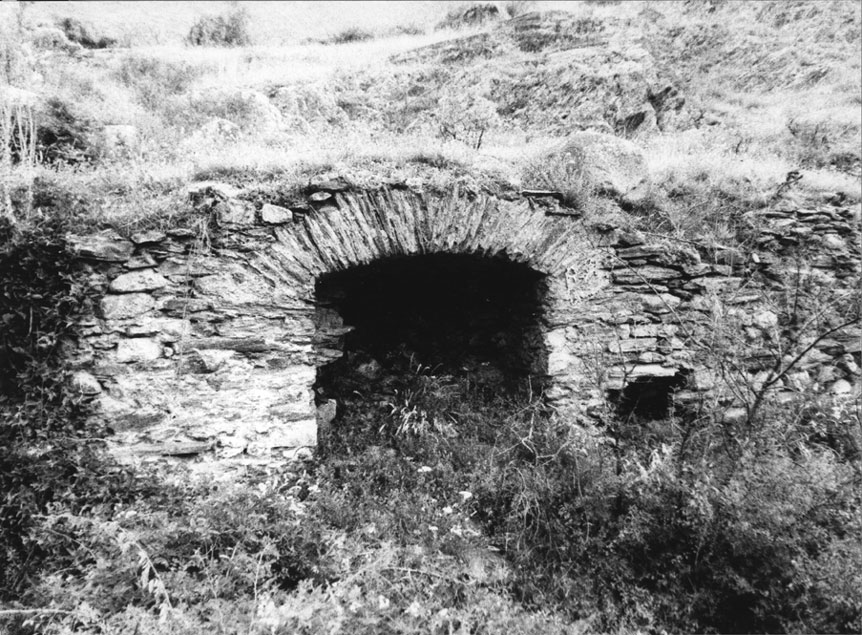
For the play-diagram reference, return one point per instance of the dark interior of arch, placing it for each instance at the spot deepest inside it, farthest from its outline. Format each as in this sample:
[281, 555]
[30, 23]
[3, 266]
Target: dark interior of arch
[461, 316]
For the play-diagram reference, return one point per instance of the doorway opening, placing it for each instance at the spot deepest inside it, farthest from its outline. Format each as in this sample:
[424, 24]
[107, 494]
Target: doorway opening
[453, 327]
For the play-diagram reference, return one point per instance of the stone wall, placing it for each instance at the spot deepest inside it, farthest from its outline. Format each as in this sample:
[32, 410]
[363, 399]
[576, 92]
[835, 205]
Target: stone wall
[208, 338]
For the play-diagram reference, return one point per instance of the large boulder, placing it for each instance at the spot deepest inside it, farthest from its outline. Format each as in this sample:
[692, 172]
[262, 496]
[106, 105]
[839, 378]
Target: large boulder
[118, 140]
[249, 109]
[615, 167]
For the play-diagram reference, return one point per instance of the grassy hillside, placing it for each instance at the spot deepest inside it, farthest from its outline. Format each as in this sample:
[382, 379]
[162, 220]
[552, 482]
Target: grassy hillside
[760, 100]
[406, 522]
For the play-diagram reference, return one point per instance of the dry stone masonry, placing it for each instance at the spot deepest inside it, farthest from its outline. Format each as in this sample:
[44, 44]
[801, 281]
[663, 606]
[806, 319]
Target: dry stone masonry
[208, 340]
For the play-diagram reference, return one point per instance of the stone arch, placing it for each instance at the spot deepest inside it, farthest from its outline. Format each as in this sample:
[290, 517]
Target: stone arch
[356, 229]
[359, 228]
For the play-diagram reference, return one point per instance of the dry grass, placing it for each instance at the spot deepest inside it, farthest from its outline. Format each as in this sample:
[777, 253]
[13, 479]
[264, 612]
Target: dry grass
[349, 105]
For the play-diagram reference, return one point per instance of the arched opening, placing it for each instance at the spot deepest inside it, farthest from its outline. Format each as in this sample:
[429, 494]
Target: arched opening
[464, 320]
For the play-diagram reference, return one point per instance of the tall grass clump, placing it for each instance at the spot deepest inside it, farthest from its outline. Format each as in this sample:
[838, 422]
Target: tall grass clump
[17, 147]
[565, 174]
[229, 29]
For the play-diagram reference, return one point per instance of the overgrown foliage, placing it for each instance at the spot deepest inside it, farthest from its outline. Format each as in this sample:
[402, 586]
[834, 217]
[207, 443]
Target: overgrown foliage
[466, 117]
[155, 80]
[44, 457]
[630, 525]
[78, 32]
[470, 14]
[229, 29]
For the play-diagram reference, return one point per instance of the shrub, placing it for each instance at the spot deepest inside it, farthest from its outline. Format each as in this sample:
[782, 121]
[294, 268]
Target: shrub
[677, 535]
[462, 16]
[466, 117]
[62, 136]
[76, 31]
[229, 29]
[352, 34]
[156, 80]
[514, 8]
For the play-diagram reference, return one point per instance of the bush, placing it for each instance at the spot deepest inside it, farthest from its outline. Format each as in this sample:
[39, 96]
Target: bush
[156, 80]
[63, 136]
[664, 536]
[352, 34]
[476, 14]
[466, 116]
[76, 31]
[230, 29]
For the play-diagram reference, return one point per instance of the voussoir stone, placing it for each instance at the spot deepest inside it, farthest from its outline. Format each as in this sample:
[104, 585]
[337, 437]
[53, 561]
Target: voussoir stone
[275, 214]
[129, 305]
[139, 280]
[106, 245]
